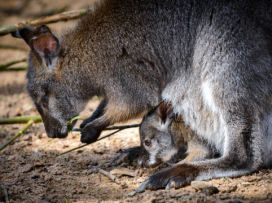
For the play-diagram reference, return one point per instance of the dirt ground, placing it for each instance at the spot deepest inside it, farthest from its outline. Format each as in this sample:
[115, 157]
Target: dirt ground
[30, 169]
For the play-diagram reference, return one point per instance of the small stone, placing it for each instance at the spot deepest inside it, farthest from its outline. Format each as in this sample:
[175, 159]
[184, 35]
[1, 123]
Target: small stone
[131, 193]
[245, 184]
[58, 179]
[200, 185]
[227, 189]
[99, 151]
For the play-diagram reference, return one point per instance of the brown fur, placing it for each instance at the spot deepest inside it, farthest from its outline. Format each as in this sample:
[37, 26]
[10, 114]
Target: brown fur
[178, 134]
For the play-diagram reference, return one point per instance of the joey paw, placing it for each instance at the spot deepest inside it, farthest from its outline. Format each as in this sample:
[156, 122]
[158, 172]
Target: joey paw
[174, 177]
[129, 155]
[89, 134]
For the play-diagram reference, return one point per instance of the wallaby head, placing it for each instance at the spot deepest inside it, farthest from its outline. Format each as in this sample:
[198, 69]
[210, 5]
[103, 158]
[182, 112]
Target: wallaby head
[160, 138]
[46, 86]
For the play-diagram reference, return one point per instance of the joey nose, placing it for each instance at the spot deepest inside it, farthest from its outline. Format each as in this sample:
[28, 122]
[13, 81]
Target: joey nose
[50, 134]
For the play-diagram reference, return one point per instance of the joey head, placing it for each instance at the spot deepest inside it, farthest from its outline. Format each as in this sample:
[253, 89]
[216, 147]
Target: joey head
[163, 134]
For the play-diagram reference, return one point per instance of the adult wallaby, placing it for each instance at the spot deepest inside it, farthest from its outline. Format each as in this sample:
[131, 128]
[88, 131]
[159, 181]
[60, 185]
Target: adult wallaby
[211, 59]
[117, 52]
[163, 135]
[224, 95]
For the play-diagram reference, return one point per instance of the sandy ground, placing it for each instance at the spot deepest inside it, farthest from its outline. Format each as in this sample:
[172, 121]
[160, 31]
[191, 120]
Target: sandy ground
[30, 169]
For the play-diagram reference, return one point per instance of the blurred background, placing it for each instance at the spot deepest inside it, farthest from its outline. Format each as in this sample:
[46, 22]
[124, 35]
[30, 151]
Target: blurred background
[15, 11]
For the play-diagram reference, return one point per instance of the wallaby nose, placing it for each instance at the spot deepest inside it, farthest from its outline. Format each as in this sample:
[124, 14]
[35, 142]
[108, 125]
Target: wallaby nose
[62, 135]
[50, 134]
[55, 133]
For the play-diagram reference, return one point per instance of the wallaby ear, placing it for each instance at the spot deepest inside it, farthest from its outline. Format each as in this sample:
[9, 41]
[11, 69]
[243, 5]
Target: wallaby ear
[164, 110]
[25, 33]
[45, 43]
[41, 41]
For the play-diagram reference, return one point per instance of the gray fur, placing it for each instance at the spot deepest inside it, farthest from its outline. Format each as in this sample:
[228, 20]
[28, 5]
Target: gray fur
[168, 137]
[210, 58]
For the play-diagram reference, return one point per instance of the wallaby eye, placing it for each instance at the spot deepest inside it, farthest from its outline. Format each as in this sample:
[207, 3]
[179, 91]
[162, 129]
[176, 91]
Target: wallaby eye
[147, 142]
[45, 101]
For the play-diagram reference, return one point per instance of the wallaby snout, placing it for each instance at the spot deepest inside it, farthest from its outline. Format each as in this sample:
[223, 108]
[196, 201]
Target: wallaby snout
[56, 129]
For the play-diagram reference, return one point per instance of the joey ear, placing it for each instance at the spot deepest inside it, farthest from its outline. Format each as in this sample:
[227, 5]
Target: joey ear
[41, 41]
[164, 110]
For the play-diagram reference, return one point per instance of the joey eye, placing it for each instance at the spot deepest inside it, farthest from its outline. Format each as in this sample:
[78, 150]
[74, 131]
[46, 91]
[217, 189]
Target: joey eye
[45, 101]
[147, 142]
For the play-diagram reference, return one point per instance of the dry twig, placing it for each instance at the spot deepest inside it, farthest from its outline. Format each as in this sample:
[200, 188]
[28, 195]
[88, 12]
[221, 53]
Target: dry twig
[4, 66]
[44, 20]
[110, 176]
[29, 123]
[22, 68]
[16, 120]
[114, 127]
[88, 144]
[2, 46]
[121, 172]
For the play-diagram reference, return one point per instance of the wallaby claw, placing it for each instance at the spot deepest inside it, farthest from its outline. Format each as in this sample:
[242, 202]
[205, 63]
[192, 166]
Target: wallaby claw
[85, 122]
[169, 185]
[121, 158]
[143, 186]
[170, 164]
[174, 184]
[82, 125]
[174, 177]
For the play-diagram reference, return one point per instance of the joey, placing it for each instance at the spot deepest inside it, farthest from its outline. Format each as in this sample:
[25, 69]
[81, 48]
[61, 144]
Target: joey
[163, 134]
